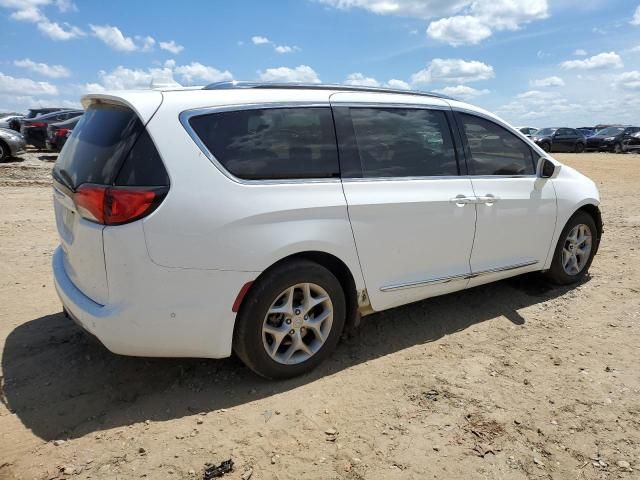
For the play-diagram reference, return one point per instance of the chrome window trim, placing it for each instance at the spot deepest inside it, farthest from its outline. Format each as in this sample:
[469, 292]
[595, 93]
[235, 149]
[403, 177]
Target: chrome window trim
[413, 106]
[463, 276]
[186, 115]
[434, 177]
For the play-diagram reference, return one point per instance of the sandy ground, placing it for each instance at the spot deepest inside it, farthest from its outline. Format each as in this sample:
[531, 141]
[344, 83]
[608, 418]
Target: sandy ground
[508, 381]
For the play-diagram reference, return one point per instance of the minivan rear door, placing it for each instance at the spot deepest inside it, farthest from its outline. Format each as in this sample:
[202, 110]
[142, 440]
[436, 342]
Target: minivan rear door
[413, 215]
[94, 154]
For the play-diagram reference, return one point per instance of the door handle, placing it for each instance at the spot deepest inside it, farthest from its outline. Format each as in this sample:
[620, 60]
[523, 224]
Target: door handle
[488, 199]
[462, 200]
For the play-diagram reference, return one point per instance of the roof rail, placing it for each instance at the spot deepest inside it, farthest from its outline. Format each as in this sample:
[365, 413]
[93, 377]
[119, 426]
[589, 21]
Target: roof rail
[235, 84]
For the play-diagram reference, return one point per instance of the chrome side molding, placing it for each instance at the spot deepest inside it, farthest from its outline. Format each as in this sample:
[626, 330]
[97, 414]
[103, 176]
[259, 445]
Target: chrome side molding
[452, 278]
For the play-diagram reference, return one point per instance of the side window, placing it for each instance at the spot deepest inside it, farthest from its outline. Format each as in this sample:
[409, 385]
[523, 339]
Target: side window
[278, 143]
[494, 150]
[395, 142]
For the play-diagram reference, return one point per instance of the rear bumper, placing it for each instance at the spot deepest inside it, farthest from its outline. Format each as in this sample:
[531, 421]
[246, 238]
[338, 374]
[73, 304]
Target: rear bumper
[160, 312]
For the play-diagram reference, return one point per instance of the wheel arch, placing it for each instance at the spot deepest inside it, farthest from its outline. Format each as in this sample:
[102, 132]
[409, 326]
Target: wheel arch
[6, 148]
[594, 211]
[338, 268]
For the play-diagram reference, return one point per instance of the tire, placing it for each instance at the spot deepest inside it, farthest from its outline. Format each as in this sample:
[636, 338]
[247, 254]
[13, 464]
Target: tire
[560, 275]
[252, 338]
[546, 146]
[579, 148]
[5, 152]
[617, 148]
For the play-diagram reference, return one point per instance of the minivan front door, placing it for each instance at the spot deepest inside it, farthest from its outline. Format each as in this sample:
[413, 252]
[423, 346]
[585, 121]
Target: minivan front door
[516, 210]
[412, 215]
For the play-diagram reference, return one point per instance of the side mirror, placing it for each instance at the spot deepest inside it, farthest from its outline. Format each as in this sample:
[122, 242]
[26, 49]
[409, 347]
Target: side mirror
[546, 168]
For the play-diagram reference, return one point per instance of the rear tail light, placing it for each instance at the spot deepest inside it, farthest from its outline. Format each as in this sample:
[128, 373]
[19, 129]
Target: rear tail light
[110, 205]
[35, 124]
[62, 132]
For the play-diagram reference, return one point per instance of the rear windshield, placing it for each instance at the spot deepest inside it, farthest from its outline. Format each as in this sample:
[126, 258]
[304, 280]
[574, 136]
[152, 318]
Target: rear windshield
[102, 144]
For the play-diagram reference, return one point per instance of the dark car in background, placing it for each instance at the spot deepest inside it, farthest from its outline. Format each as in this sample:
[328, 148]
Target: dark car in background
[632, 143]
[527, 131]
[611, 139]
[35, 129]
[37, 112]
[587, 131]
[57, 133]
[560, 140]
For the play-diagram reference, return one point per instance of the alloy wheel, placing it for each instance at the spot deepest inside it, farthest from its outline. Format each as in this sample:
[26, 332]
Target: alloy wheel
[577, 249]
[297, 323]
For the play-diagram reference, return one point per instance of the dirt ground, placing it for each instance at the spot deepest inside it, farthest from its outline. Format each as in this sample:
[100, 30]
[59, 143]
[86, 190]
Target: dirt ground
[515, 380]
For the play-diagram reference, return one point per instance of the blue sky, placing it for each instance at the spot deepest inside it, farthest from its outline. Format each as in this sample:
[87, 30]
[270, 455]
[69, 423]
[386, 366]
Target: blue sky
[534, 62]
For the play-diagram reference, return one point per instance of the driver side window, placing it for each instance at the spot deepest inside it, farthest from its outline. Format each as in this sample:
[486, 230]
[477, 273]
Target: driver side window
[494, 150]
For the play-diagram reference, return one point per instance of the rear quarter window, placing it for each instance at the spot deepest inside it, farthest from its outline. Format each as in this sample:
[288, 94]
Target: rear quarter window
[271, 144]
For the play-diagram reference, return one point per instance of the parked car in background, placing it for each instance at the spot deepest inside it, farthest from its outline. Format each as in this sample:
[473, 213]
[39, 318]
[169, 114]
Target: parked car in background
[10, 121]
[586, 131]
[36, 112]
[35, 129]
[611, 139]
[57, 133]
[11, 143]
[560, 140]
[528, 131]
[631, 143]
[262, 218]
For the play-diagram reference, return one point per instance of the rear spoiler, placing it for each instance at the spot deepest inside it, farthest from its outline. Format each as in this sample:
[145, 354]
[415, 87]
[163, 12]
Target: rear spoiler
[144, 102]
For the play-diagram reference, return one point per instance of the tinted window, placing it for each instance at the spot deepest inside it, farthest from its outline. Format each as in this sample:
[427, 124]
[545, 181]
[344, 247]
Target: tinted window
[563, 131]
[279, 143]
[397, 142]
[101, 145]
[494, 150]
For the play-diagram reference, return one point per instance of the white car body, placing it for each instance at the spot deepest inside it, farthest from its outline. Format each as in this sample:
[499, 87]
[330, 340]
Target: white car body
[165, 285]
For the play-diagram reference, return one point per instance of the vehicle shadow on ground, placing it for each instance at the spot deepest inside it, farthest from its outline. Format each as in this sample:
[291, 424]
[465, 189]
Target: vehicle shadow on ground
[13, 160]
[48, 158]
[61, 383]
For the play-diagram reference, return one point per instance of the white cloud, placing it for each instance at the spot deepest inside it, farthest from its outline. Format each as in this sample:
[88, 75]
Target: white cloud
[580, 52]
[628, 80]
[407, 8]
[31, 11]
[602, 60]
[301, 74]
[453, 70]
[25, 86]
[197, 72]
[462, 91]
[258, 40]
[53, 71]
[460, 30]
[113, 37]
[361, 80]
[286, 49]
[636, 17]
[552, 81]
[172, 47]
[398, 84]
[146, 43]
[464, 22]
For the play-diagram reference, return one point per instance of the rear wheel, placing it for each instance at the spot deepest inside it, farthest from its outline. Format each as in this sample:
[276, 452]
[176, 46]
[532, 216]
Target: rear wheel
[617, 148]
[4, 151]
[291, 320]
[579, 148]
[575, 250]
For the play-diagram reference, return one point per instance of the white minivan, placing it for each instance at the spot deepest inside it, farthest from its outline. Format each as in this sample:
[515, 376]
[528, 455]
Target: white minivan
[263, 218]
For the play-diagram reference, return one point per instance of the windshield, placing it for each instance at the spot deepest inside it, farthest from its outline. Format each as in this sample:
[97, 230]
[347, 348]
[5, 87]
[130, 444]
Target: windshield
[546, 131]
[611, 131]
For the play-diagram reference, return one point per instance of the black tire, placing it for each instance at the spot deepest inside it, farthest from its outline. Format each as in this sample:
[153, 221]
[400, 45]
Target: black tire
[248, 337]
[546, 146]
[579, 148]
[556, 273]
[5, 151]
[617, 148]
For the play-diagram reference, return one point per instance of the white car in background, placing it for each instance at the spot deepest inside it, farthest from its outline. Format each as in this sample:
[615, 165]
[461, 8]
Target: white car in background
[261, 218]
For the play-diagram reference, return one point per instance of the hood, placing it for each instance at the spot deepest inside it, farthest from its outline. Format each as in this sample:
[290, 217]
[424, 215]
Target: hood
[7, 132]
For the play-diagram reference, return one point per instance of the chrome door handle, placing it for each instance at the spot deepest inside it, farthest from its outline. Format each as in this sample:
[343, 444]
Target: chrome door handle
[462, 200]
[488, 199]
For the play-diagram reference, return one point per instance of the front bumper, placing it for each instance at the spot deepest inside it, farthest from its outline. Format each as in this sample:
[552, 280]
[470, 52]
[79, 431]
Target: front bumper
[16, 146]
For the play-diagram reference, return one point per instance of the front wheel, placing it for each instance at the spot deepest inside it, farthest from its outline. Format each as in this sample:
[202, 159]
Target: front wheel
[546, 147]
[617, 148]
[579, 148]
[4, 152]
[575, 250]
[291, 320]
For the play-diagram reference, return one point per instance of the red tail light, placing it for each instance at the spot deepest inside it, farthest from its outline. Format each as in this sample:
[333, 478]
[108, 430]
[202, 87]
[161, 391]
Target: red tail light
[36, 124]
[62, 132]
[117, 205]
